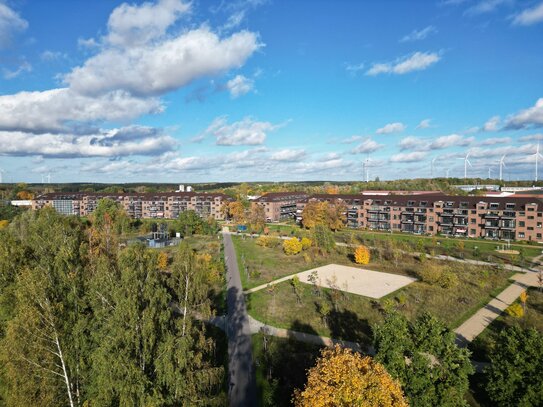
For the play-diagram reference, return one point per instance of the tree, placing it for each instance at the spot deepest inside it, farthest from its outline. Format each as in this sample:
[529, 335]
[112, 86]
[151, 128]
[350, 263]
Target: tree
[330, 214]
[423, 356]
[362, 255]
[4, 224]
[306, 243]
[297, 287]
[515, 376]
[162, 261]
[344, 378]
[292, 246]
[323, 239]
[524, 300]
[189, 223]
[236, 211]
[257, 218]
[515, 310]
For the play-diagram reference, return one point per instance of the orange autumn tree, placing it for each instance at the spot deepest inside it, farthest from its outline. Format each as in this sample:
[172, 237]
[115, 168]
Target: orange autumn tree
[362, 255]
[345, 378]
[162, 261]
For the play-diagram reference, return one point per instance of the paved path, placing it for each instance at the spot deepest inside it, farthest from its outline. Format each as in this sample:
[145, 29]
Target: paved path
[242, 385]
[470, 329]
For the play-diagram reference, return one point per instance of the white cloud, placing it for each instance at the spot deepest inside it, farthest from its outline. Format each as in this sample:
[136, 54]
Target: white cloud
[129, 25]
[353, 69]
[347, 140]
[492, 124]
[414, 62]
[530, 16]
[486, 6]
[532, 137]
[424, 124]
[10, 23]
[24, 67]
[450, 141]
[133, 140]
[391, 128]
[367, 146]
[408, 157]
[417, 35]
[234, 20]
[243, 132]
[163, 66]
[288, 155]
[49, 55]
[413, 143]
[527, 118]
[54, 110]
[496, 140]
[239, 85]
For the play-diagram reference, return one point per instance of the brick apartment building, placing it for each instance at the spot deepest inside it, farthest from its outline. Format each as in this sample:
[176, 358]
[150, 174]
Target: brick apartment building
[166, 205]
[507, 218]
[280, 206]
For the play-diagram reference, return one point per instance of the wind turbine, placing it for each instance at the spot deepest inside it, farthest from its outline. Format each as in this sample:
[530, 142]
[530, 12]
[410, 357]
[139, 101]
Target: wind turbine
[489, 172]
[1, 174]
[502, 164]
[48, 178]
[432, 167]
[447, 172]
[366, 165]
[537, 156]
[466, 163]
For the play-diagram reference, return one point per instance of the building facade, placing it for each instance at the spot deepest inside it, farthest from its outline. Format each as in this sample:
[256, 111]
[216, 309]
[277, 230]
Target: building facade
[504, 218]
[166, 205]
[279, 206]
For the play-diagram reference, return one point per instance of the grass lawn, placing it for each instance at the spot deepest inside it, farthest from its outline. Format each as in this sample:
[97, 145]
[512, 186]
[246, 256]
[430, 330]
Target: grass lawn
[448, 246]
[352, 316]
[259, 265]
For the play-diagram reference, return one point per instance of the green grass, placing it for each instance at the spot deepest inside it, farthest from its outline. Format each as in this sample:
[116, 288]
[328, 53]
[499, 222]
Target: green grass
[353, 315]
[448, 246]
[532, 319]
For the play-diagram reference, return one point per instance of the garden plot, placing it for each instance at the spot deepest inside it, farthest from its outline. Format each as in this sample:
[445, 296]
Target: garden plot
[372, 284]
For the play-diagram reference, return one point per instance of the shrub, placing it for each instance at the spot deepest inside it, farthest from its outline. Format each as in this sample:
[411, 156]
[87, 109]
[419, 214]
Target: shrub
[268, 241]
[306, 243]
[292, 246]
[515, 310]
[362, 255]
[448, 279]
[429, 273]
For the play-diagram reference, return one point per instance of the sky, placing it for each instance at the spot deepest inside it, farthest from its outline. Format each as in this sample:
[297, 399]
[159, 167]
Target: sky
[269, 90]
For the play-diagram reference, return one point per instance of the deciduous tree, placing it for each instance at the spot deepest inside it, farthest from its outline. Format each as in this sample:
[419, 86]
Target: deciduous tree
[292, 246]
[345, 378]
[362, 255]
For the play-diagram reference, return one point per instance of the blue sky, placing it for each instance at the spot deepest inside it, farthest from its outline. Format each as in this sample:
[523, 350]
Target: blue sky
[256, 90]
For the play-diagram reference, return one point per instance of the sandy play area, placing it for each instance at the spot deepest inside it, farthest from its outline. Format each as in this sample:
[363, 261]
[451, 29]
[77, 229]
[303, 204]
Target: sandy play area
[368, 283]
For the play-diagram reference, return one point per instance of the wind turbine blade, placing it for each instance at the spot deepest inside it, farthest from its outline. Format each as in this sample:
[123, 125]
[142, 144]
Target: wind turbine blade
[468, 162]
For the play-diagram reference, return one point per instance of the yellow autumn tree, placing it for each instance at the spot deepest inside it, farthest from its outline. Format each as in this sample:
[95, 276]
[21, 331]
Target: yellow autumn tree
[344, 378]
[515, 310]
[306, 243]
[292, 246]
[362, 255]
[162, 261]
[3, 224]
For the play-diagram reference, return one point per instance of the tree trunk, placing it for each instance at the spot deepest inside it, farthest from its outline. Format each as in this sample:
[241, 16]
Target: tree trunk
[64, 371]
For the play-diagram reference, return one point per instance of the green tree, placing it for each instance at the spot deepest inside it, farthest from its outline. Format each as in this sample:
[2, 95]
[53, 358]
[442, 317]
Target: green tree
[189, 223]
[515, 376]
[323, 239]
[423, 356]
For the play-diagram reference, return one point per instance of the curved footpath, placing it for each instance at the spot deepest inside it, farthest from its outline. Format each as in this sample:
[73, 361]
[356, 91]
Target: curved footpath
[242, 384]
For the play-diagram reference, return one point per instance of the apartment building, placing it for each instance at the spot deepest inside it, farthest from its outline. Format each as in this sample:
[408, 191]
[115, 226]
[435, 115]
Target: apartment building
[507, 218]
[280, 206]
[166, 205]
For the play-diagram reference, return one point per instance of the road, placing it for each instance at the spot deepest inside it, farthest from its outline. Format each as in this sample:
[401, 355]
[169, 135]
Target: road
[242, 384]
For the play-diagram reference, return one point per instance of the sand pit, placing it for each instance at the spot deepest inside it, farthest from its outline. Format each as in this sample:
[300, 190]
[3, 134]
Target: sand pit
[373, 284]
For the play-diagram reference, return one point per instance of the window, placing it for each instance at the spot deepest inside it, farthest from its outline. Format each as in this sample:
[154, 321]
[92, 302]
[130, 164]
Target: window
[410, 203]
[538, 235]
[473, 212]
[494, 205]
[430, 228]
[424, 203]
[521, 235]
[522, 213]
[531, 217]
[472, 231]
[531, 209]
[509, 206]
[530, 228]
[522, 224]
[472, 221]
[431, 219]
[539, 224]
[463, 204]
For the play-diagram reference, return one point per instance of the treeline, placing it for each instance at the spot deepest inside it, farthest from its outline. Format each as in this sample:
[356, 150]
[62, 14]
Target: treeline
[83, 322]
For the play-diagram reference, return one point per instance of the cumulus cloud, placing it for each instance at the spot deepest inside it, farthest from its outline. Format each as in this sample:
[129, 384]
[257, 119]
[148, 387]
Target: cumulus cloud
[288, 155]
[532, 137]
[492, 124]
[10, 23]
[424, 124]
[239, 85]
[367, 146]
[391, 128]
[244, 132]
[54, 110]
[530, 16]
[496, 140]
[419, 144]
[417, 35]
[108, 143]
[408, 157]
[410, 63]
[161, 67]
[527, 118]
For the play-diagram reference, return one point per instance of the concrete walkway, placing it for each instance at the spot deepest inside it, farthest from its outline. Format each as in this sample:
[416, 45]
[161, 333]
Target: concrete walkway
[470, 329]
[242, 384]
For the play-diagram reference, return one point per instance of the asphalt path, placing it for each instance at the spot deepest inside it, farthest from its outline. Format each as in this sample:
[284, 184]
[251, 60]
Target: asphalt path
[242, 385]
